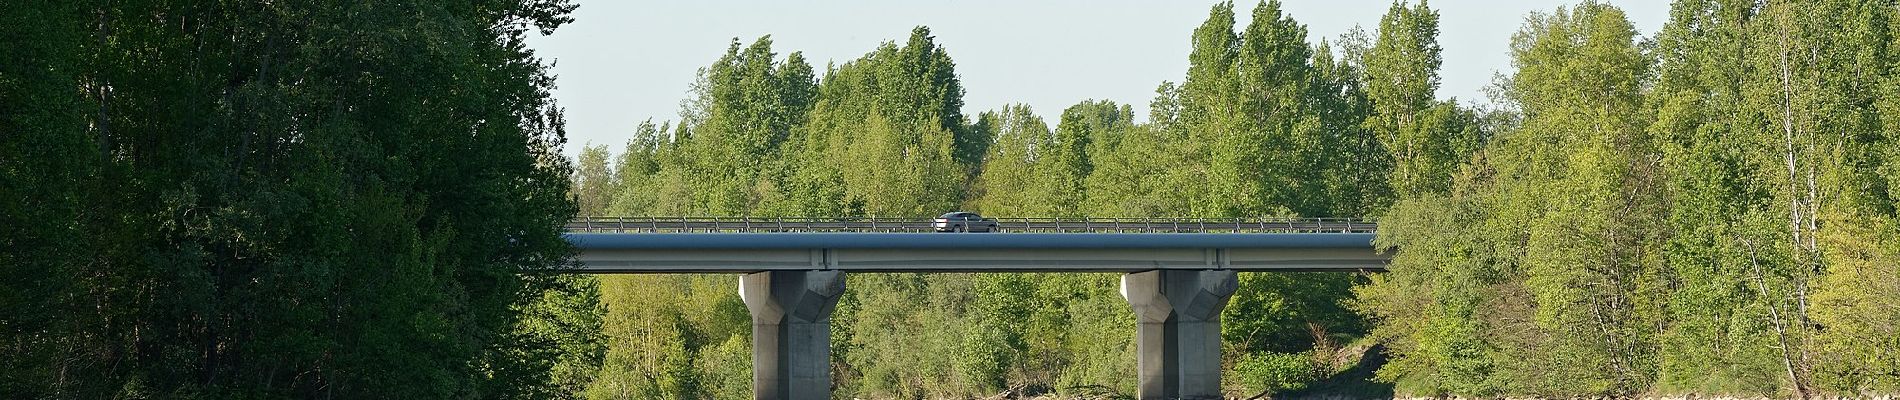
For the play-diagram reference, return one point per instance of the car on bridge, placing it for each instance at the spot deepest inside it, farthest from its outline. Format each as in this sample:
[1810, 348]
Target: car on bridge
[963, 222]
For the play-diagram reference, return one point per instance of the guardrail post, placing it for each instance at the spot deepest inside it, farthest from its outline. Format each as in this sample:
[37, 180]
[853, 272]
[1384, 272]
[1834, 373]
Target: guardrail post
[791, 332]
[1178, 330]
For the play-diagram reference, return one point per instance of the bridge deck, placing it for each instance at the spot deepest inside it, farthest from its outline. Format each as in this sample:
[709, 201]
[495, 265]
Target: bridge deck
[973, 252]
[1006, 225]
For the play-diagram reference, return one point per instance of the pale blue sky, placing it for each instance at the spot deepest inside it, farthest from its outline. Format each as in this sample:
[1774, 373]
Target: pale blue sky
[622, 62]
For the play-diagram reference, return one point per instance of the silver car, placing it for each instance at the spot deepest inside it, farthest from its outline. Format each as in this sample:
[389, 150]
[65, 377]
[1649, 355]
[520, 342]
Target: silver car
[963, 222]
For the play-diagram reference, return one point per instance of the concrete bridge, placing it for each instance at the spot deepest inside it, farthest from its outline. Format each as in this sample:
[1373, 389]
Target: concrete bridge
[1178, 275]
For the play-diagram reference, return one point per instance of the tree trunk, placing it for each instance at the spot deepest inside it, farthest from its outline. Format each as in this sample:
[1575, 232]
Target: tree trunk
[1780, 324]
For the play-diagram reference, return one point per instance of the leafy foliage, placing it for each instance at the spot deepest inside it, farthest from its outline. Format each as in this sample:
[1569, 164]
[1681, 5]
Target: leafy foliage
[281, 200]
[1691, 216]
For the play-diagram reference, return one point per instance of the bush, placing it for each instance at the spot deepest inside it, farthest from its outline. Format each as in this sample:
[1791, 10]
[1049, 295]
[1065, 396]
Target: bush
[1276, 372]
[727, 368]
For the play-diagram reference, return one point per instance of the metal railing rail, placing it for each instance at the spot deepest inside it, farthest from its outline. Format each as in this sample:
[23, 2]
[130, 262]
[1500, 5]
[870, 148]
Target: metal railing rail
[672, 224]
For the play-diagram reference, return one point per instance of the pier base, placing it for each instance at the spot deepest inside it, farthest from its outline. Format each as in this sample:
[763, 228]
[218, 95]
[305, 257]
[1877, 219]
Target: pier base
[791, 332]
[1178, 334]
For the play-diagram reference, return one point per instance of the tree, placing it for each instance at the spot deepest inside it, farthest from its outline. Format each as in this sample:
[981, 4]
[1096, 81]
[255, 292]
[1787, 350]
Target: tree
[1011, 181]
[1561, 285]
[1353, 165]
[48, 157]
[1427, 138]
[594, 181]
[284, 200]
[890, 124]
[1150, 171]
[1700, 117]
[1270, 161]
[636, 170]
[1087, 129]
[751, 105]
[564, 320]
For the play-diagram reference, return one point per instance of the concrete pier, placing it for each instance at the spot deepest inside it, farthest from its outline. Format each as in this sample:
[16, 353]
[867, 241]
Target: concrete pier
[1178, 334]
[791, 332]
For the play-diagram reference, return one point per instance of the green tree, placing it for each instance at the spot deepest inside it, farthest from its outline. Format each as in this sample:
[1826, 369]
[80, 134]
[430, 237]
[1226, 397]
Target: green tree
[890, 124]
[1717, 341]
[566, 318]
[1012, 179]
[750, 104]
[1268, 166]
[594, 180]
[1353, 167]
[1148, 173]
[1427, 138]
[283, 200]
[49, 158]
[636, 171]
[996, 347]
[1087, 130]
[1558, 277]
[1776, 235]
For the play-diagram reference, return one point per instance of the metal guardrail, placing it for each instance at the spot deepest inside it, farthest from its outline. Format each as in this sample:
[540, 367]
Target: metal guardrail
[1006, 225]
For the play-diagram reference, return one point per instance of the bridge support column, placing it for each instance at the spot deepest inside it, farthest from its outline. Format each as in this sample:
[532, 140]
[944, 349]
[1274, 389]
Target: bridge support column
[1178, 334]
[791, 332]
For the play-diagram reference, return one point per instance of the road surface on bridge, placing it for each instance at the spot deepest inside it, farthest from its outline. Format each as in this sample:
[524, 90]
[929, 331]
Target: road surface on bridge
[1006, 225]
[746, 245]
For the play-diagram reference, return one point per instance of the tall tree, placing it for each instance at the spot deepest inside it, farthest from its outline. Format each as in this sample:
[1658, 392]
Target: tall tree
[1558, 279]
[48, 156]
[594, 180]
[1857, 348]
[636, 170]
[1207, 112]
[287, 200]
[1011, 180]
[1427, 138]
[1149, 173]
[1087, 130]
[751, 103]
[1715, 251]
[891, 123]
[1268, 165]
[1752, 238]
[1353, 167]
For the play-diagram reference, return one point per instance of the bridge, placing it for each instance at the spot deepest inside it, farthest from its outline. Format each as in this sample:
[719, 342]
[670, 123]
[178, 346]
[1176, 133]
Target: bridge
[1178, 275]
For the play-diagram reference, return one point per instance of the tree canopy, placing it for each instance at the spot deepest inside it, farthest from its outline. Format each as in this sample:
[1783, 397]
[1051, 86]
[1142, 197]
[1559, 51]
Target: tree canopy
[279, 200]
